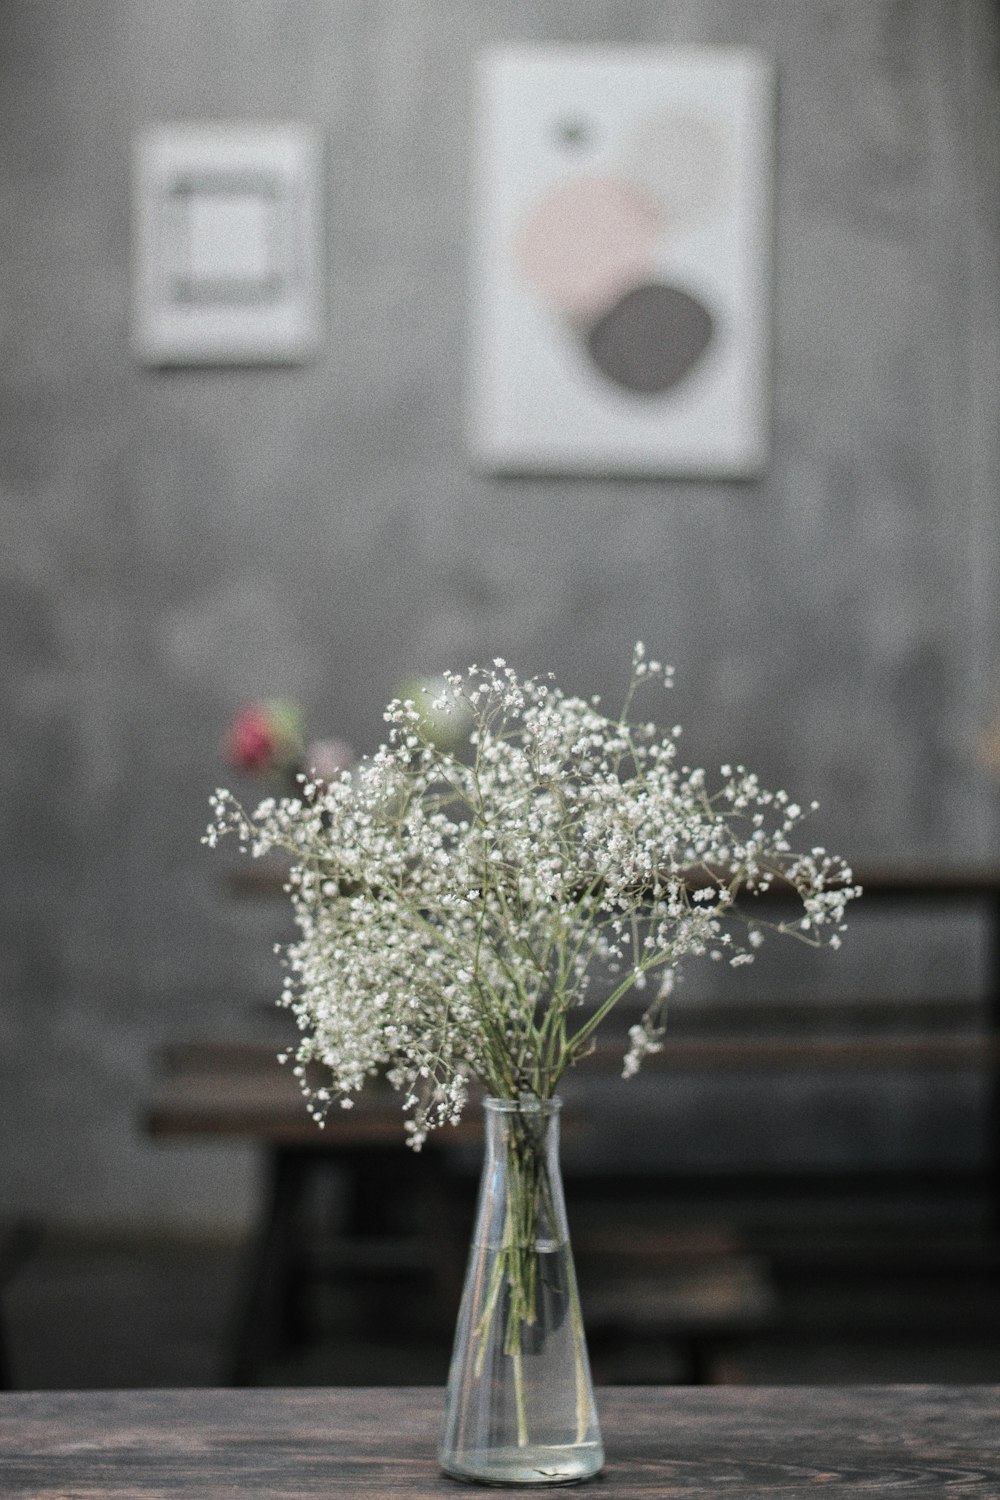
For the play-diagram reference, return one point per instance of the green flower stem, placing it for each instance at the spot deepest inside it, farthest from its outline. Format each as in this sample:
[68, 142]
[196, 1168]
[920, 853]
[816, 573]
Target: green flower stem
[579, 1039]
[582, 1380]
[519, 1402]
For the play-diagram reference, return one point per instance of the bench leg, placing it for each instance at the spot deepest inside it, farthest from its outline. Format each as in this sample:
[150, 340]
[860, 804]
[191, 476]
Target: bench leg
[261, 1323]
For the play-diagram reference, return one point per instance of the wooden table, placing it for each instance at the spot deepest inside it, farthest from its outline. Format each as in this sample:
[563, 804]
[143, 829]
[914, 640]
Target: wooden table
[680, 1441]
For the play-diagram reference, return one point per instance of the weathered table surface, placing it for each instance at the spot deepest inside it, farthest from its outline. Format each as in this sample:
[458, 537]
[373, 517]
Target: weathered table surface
[661, 1441]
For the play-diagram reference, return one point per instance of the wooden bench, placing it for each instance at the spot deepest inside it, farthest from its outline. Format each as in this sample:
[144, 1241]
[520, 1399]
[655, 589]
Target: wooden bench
[222, 1089]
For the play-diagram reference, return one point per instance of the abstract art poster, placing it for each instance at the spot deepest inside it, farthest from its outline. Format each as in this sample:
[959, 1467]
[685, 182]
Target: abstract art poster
[622, 262]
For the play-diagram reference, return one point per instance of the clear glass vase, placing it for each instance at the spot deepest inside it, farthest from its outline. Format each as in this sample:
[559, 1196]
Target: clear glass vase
[520, 1404]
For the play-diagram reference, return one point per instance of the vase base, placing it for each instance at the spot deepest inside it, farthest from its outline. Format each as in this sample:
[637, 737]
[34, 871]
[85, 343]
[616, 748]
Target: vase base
[539, 1463]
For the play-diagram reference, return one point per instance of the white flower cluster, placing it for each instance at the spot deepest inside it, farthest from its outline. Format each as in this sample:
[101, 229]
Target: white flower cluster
[452, 910]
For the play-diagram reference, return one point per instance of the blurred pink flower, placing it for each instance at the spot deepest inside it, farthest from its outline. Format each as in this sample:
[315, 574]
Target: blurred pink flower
[249, 740]
[264, 737]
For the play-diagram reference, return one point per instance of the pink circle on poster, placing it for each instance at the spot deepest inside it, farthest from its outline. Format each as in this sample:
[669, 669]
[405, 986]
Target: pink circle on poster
[587, 241]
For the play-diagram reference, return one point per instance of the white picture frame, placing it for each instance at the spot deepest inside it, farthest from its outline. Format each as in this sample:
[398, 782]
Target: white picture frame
[621, 262]
[226, 244]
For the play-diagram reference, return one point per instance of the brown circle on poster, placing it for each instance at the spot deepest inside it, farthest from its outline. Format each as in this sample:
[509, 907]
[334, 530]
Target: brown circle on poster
[651, 338]
[587, 240]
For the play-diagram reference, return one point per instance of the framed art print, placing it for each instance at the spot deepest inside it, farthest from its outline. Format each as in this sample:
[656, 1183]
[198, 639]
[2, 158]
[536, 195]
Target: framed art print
[226, 244]
[622, 262]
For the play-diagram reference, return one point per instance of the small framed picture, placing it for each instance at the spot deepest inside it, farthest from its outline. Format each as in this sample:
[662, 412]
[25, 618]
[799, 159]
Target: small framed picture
[622, 261]
[226, 244]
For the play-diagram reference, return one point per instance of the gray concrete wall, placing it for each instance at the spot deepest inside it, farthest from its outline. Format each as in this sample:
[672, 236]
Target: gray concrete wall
[174, 542]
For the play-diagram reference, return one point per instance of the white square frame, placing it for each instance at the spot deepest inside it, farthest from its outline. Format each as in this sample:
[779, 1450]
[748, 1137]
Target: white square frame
[226, 244]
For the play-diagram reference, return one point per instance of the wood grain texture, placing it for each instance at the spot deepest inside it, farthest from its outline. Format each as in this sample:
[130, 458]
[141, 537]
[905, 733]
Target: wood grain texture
[664, 1442]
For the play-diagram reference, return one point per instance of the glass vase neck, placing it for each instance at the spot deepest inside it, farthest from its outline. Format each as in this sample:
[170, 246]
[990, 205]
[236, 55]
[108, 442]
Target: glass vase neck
[525, 1104]
[525, 1126]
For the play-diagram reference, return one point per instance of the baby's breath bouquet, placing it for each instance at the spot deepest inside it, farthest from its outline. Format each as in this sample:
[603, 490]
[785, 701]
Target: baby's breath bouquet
[474, 913]
[454, 913]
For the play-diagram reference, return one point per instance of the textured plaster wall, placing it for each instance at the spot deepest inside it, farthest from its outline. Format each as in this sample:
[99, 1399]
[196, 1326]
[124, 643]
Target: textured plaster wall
[173, 542]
